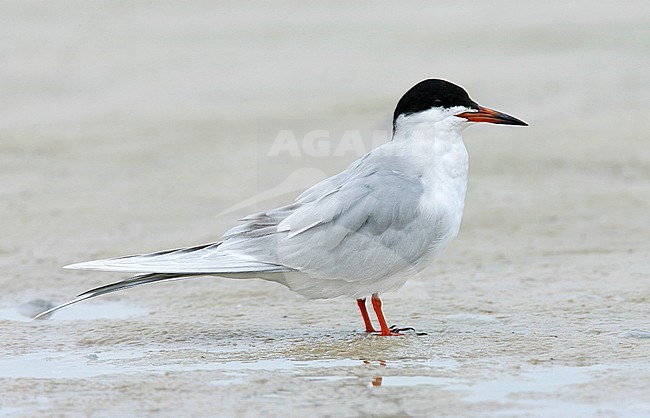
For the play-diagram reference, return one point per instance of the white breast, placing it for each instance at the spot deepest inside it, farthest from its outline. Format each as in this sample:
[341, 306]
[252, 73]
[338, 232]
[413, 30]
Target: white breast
[437, 148]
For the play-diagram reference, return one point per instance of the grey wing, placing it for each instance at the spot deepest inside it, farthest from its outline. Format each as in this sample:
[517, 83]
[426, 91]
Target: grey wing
[358, 226]
[246, 248]
[365, 229]
[362, 224]
[258, 238]
[200, 260]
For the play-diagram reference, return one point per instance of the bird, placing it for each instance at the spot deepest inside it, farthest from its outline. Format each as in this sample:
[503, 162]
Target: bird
[358, 234]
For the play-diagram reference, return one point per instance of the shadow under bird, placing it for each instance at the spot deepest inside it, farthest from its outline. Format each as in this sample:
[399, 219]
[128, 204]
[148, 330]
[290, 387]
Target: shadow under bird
[359, 233]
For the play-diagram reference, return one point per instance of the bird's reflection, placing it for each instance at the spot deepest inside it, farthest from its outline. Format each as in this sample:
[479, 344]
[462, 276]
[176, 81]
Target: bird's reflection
[376, 381]
[370, 362]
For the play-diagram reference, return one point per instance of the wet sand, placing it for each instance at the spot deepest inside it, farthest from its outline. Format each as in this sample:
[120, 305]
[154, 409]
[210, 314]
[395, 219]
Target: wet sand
[131, 128]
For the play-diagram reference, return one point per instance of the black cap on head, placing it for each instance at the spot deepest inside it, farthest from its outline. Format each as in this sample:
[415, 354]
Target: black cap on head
[432, 93]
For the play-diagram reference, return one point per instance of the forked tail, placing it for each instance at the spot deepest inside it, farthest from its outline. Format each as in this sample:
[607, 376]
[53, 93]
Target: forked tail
[121, 285]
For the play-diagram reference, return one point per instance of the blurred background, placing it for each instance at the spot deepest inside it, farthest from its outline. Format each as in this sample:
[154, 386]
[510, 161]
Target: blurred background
[129, 127]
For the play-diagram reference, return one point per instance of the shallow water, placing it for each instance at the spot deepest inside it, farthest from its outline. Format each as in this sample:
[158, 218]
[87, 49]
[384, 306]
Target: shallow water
[126, 129]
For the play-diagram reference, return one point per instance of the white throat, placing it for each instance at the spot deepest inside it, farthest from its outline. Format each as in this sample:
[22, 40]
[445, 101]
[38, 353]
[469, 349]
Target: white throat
[435, 145]
[432, 123]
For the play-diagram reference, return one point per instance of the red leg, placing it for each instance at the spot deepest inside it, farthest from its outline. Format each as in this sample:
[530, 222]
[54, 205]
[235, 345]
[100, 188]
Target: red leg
[364, 314]
[376, 304]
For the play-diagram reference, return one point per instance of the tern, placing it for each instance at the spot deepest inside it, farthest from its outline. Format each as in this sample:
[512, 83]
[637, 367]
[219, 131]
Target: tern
[357, 234]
